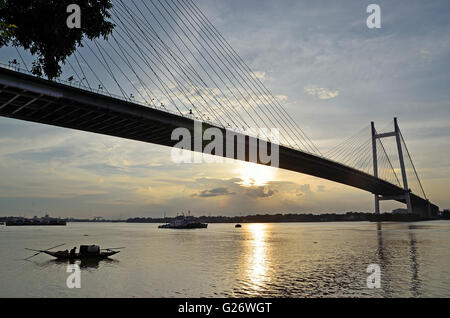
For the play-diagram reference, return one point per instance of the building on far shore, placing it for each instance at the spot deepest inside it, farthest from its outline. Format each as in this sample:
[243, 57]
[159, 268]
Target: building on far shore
[446, 214]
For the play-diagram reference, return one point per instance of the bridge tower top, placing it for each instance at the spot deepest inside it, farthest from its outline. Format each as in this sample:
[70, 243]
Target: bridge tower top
[398, 137]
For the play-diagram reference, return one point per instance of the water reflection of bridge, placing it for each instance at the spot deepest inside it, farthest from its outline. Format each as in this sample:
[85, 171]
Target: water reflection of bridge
[389, 269]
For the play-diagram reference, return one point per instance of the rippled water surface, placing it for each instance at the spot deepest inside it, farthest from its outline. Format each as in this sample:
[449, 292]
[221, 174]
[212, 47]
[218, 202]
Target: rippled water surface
[281, 260]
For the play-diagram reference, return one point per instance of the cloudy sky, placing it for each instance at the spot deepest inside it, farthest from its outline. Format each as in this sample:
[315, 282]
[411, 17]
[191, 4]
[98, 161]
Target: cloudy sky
[335, 74]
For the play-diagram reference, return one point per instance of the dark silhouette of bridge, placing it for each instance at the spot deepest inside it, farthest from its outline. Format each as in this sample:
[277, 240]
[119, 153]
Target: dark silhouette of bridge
[173, 69]
[33, 99]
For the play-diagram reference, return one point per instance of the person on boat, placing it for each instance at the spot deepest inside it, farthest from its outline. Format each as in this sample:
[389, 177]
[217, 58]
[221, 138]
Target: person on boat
[73, 251]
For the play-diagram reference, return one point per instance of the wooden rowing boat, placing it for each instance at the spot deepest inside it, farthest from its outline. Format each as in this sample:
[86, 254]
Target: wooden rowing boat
[65, 255]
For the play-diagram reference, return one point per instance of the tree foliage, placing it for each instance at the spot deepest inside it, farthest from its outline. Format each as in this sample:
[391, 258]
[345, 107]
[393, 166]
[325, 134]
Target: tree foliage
[6, 33]
[6, 30]
[40, 27]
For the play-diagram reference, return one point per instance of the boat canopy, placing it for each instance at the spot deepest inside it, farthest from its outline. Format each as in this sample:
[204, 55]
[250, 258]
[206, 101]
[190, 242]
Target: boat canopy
[89, 249]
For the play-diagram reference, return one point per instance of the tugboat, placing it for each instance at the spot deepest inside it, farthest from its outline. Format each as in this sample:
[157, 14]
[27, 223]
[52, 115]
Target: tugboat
[86, 252]
[184, 222]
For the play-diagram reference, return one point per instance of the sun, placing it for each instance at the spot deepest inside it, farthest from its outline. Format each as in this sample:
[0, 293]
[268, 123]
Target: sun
[255, 175]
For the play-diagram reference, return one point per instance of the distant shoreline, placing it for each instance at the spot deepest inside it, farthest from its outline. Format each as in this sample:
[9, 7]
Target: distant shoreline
[266, 218]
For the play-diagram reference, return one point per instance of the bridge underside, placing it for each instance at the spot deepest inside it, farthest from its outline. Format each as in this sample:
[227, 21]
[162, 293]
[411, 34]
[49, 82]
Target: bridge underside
[37, 100]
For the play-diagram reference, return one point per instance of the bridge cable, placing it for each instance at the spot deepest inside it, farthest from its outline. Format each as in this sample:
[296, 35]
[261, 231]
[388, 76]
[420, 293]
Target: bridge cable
[124, 57]
[189, 17]
[348, 149]
[129, 65]
[390, 163]
[256, 80]
[228, 114]
[95, 74]
[185, 44]
[215, 62]
[82, 71]
[108, 69]
[337, 148]
[21, 58]
[145, 58]
[412, 163]
[100, 48]
[161, 59]
[191, 75]
[75, 71]
[180, 86]
[201, 64]
[233, 61]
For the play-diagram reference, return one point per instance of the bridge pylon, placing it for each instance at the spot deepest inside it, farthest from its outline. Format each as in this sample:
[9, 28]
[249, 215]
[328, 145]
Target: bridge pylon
[406, 197]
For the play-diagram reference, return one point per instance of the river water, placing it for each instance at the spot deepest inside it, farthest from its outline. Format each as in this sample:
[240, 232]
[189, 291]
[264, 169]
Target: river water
[257, 260]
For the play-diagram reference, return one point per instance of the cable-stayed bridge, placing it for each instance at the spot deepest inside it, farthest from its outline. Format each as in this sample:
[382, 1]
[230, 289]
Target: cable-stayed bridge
[166, 66]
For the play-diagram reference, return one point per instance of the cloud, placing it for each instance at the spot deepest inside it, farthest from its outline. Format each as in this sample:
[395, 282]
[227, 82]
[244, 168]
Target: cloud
[425, 54]
[282, 98]
[43, 155]
[259, 75]
[235, 187]
[216, 192]
[320, 92]
[260, 192]
[306, 188]
[103, 169]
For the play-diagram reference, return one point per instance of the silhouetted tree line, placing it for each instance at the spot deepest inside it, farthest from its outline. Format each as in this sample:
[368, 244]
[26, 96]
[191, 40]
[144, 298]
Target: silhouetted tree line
[275, 218]
[271, 218]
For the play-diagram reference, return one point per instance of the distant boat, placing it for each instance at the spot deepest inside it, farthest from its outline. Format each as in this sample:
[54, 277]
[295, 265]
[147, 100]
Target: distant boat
[86, 252]
[238, 225]
[184, 222]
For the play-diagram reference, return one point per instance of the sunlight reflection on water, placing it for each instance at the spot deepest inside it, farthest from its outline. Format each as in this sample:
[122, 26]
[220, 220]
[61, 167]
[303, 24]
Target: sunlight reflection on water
[257, 263]
[257, 260]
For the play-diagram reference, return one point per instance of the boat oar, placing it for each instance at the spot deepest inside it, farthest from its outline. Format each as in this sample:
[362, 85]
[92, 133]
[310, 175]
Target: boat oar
[30, 249]
[41, 251]
[113, 248]
[26, 259]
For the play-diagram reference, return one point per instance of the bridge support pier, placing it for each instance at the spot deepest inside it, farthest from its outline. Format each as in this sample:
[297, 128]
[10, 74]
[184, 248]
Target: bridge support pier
[406, 197]
[377, 204]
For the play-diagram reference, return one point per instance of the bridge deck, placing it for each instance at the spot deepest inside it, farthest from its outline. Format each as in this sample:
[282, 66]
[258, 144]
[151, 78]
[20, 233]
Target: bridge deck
[26, 97]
